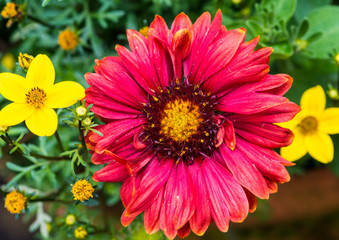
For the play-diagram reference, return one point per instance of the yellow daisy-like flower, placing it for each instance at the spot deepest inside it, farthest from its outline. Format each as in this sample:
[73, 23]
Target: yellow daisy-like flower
[15, 202]
[311, 128]
[80, 233]
[35, 96]
[82, 190]
[68, 40]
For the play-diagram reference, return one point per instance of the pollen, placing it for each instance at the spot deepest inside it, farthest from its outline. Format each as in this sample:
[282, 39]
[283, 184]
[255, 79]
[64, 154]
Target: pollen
[309, 124]
[36, 97]
[82, 190]
[181, 120]
[15, 202]
[68, 40]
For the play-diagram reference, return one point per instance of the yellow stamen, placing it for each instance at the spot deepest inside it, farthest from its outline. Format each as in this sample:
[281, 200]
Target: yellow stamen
[180, 120]
[309, 124]
[36, 97]
[15, 202]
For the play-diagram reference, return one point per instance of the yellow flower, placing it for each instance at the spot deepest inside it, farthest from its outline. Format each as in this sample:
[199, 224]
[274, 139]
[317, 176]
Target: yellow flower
[35, 97]
[80, 233]
[82, 190]
[144, 31]
[70, 219]
[81, 111]
[311, 128]
[336, 59]
[15, 202]
[25, 60]
[9, 11]
[8, 61]
[68, 40]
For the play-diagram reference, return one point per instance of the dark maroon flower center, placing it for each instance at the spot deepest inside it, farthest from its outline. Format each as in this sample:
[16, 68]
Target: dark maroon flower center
[180, 122]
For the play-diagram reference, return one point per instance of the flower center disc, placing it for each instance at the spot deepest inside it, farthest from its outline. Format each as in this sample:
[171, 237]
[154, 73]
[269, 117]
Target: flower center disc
[181, 119]
[180, 122]
[36, 97]
[309, 124]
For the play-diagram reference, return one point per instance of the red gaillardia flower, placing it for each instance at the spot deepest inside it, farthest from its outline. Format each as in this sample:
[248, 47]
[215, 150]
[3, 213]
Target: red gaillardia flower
[190, 131]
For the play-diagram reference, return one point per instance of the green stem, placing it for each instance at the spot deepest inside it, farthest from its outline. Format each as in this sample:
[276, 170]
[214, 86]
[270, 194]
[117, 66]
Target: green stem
[57, 137]
[40, 21]
[83, 143]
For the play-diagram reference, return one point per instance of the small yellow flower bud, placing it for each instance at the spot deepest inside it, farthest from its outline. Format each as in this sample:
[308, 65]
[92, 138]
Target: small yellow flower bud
[82, 190]
[144, 31]
[81, 111]
[333, 93]
[25, 60]
[68, 40]
[8, 61]
[236, 2]
[301, 44]
[70, 219]
[9, 11]
[15, 202]
[87, 122]
[336, 59]
[80, 233]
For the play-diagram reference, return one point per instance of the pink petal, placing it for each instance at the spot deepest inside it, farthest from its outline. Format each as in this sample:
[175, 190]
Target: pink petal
[265, 134]
[184, 231]
[230, 140]
[244, 172]
[160, 26]
[113, 172]
[181, 21]
[151, 216]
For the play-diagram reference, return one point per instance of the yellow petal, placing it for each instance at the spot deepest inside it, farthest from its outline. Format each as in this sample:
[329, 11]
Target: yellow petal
[328, 121]
[43, 122]
[40, 72]
[297, 149]
[320, 146]
[13, 87]
[15, 113]
[313, 101]
[64, 94]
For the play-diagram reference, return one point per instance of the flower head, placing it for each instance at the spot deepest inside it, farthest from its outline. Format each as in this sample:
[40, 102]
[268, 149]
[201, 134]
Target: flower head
[35, 96]
[311, 128]
[81, 111]
[13, 12]
[8, 61]
[80, 233]
[15, 202]
[70, 219]
[25, 60]
[144, 31]
[82, 190]
[189, 117]
[68, 39]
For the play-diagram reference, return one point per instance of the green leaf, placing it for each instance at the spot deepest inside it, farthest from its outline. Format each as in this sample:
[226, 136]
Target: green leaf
[14, 167]
[323, 20]
[283, 9]
[44, 3]
[305, 6]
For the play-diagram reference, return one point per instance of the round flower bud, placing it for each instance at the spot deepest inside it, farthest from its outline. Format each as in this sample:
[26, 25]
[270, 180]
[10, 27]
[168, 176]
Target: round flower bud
[82, 190]
[80, 233]
[70, 219]
[15, 202]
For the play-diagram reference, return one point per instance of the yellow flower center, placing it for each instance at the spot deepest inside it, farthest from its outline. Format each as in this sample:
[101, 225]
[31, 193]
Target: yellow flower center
[36, 97]
[9, 10]
[144, 31]
[82, 190]
[309, 124]
[180, 120]
[80, 233]
[15, 202]
[68, 40]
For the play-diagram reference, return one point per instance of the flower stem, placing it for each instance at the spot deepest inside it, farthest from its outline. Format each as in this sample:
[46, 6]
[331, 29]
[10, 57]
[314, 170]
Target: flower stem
[39, 21]
[83, 143]
[57, 137]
